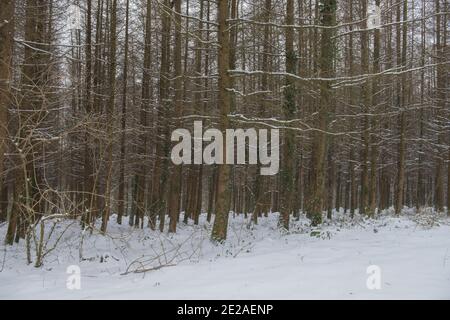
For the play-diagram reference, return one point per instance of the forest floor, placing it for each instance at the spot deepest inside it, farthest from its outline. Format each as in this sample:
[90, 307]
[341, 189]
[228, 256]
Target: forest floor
[411, 253]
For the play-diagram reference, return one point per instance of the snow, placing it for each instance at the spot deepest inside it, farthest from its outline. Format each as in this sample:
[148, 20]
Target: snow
[412, 252]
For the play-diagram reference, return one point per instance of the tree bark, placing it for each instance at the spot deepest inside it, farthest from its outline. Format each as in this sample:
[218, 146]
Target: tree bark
[289, 108]
[110, 113]
[219, 232]
[121, 195]
[327, 14]
[175, 186]
[7, 8]
[401, 103]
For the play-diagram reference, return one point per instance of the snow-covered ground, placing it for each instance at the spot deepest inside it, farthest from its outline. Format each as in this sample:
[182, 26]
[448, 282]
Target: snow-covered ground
[411, 255]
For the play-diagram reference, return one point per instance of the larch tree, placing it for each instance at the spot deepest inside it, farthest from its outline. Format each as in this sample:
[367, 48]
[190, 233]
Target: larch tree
[175, 187]
[6, 53]
[123, 120]
[219, 231]
[289, 108]
[110, 113]
[327, 18]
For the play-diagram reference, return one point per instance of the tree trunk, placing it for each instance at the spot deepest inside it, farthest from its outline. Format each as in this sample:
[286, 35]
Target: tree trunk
[6, 51]
[364, 203]
[157, 201]
[440, 75]
[289, 108]
[88, 169]
[121, 195]
[110, 113]
[327, 14]
[175, 186]
[374, 124]
[219, 232]
[401, 103]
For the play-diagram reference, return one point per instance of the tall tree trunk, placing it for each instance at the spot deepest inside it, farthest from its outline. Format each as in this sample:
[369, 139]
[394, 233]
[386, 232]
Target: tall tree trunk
[440, 75]
[88, 169]
[139, 180]
[351, 163]
[401, 102]
[420, 196]
[121, 195]
[6, 50]
[260, 181]
[97, 80]
[363, 207]
[219, 232]
[157, 201]
[289, 108]
[327, 14]
[110, 113]
[199, 104]
[374, 123]
[175, 186]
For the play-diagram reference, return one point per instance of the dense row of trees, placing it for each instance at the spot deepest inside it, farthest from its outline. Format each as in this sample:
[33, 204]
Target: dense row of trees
[86, 111]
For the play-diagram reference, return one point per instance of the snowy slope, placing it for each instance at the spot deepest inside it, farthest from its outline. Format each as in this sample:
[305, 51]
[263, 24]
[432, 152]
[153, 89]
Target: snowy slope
[412, 252]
